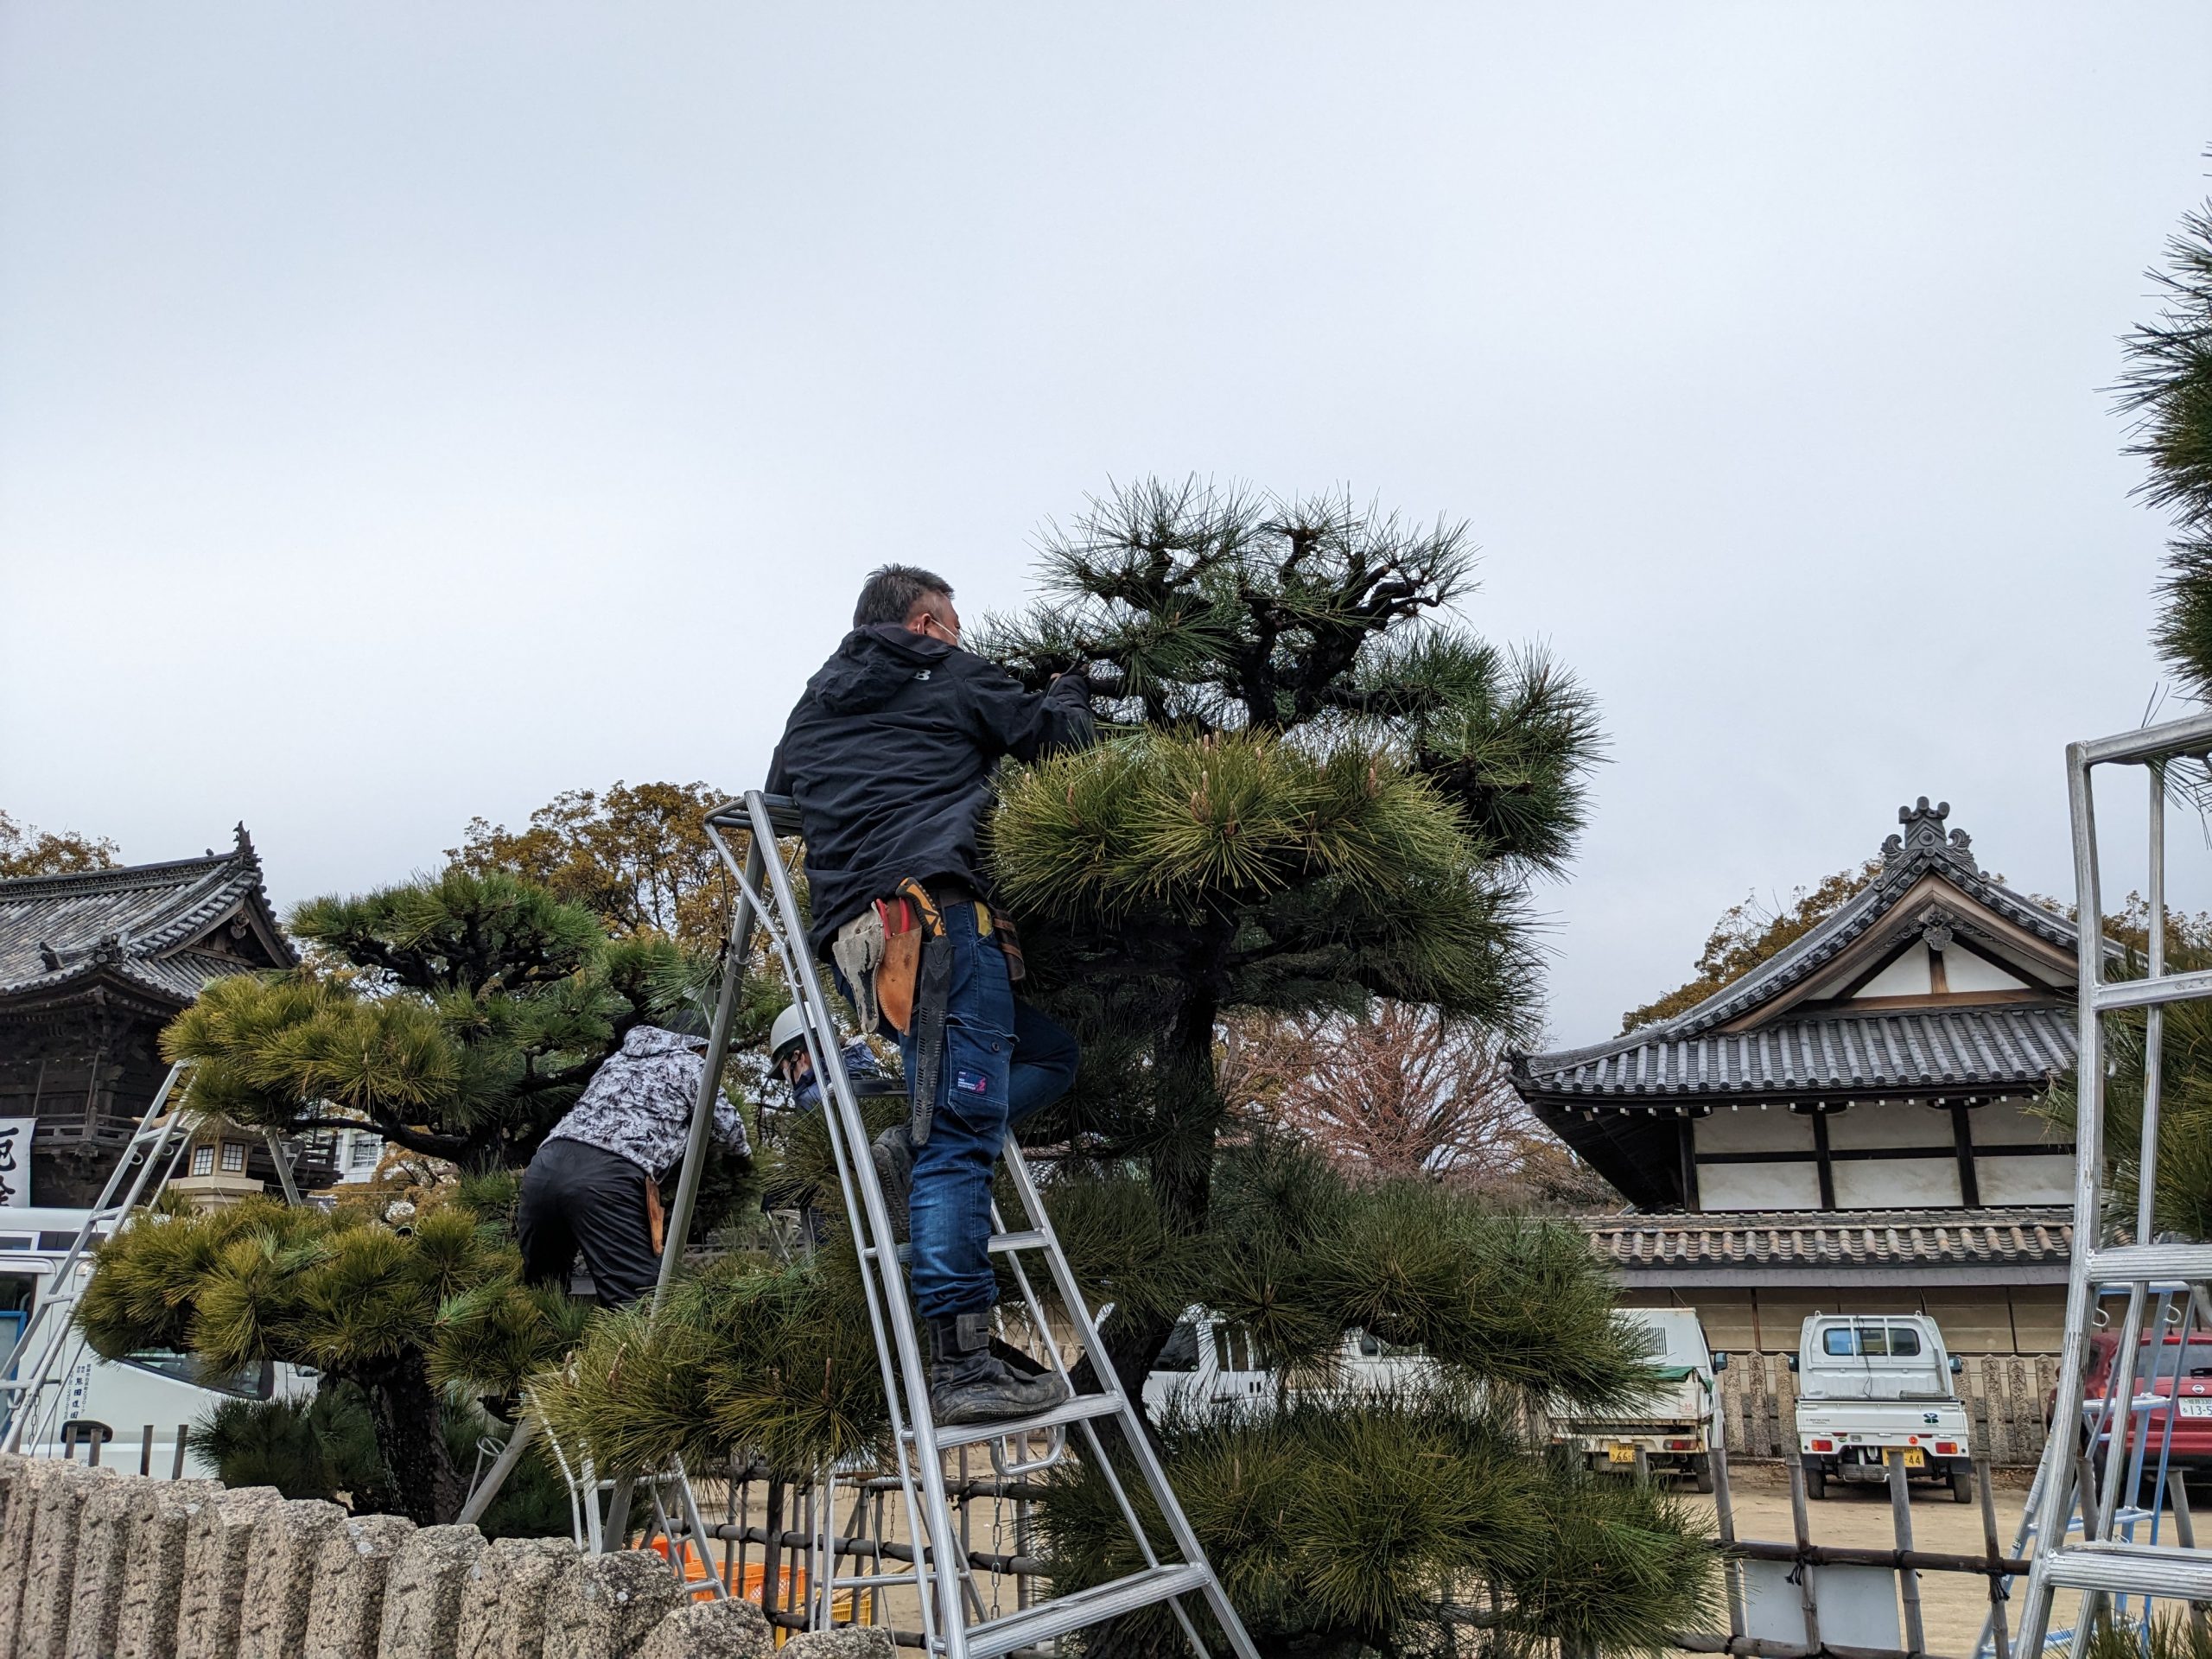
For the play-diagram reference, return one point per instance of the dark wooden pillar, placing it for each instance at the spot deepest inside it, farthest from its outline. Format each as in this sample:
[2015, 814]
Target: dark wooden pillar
[1963, 1137]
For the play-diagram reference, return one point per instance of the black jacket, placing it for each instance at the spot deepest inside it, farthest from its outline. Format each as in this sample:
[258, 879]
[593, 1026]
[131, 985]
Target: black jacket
[889, 756]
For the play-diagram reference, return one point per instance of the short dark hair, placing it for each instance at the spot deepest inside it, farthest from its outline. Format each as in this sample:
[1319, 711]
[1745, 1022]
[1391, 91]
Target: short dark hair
[892, 591]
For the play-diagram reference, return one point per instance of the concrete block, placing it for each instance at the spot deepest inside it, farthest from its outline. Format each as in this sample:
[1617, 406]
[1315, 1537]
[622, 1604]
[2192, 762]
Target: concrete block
[711, 1630]
[153, 1576]
[42, 1624]
[421, 1600]
[280, 1578]
[846, 1641]
[103, 1534]
[503, 1603]
[218, 1548]
[17, 1531]
[610, 1604]
[346, 1608]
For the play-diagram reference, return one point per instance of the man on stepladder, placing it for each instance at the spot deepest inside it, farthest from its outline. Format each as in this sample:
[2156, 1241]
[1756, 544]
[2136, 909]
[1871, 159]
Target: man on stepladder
[889, 758]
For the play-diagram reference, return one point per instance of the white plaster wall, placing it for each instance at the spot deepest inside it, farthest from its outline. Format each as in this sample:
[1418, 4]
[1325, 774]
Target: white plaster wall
[1907, 976]
[1775, 1129]
[1891, 1123]
[1897, 1184]
[1965, 971]
[2009, 1122]
[1758, 1186]
[2023, 1180]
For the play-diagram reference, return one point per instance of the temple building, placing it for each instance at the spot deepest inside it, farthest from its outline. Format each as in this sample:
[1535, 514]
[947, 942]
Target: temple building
[1850, 1126]
[92, 965]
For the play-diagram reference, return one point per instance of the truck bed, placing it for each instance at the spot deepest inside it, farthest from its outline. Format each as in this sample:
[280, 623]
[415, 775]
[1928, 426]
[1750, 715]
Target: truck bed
[1881, 1422]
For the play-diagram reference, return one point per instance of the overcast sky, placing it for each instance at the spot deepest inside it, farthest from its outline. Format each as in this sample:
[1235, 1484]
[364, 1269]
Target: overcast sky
[411, 411]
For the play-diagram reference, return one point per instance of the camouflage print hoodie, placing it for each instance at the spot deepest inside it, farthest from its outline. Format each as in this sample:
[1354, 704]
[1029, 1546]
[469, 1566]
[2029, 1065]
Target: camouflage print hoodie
[639, 1104]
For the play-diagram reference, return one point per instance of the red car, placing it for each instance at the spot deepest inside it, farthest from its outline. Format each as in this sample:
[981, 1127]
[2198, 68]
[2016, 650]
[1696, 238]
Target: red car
[2168, 1369]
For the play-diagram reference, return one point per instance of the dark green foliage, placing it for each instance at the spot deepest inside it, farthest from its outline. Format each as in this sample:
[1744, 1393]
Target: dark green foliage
[322, 1446]
[325, 1447]
[459, 1015]
[779, 1360]
[2181, 1206]
[2168, 388]
[1340, 1530]
[2176, 1635]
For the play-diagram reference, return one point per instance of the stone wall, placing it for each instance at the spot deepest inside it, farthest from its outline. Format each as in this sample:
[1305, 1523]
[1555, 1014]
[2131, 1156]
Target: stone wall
[98, 1565]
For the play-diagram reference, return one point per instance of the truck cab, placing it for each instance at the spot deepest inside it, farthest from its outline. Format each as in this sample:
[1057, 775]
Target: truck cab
[1211, 1367]
[1672, 1429]
[1874, 1388]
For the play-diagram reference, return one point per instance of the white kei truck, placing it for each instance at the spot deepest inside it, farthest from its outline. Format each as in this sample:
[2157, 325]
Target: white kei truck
[1674, 1428]
[1874, 1386]
[1211, 1368]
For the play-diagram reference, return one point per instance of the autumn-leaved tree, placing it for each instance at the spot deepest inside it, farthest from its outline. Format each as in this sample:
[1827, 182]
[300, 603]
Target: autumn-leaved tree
[636, 855]
[25, 850]
[1318, 788]
[1748, 933]
[1400, 1093]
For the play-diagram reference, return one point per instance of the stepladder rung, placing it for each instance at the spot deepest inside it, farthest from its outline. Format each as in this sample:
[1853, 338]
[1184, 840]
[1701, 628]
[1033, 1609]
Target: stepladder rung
[2131, 1569]
[1082, 1608]
[2128, 1264]
[1029, 1239]
[1083, 1406]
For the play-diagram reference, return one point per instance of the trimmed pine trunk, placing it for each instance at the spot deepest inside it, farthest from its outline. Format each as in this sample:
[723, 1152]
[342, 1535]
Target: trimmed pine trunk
[411, 1436]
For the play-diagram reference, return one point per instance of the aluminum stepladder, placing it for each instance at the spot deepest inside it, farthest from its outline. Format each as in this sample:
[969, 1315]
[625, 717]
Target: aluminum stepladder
[940, 1573]
[36, 1363]
[2108, 1564]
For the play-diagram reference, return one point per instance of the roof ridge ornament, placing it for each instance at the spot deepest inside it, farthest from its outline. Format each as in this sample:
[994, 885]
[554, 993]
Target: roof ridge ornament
[1924, 842]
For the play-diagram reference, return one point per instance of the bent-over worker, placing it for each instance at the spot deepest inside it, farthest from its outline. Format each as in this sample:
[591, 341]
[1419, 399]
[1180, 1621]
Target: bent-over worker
[889, 757]
[594, 1185]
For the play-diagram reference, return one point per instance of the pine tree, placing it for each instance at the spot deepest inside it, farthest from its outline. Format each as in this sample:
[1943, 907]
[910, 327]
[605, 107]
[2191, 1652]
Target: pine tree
[1317, 789]
[400, 1314]
[1327, 790]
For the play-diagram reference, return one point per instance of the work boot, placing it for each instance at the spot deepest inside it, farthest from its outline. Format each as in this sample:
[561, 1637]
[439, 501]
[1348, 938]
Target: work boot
[970, 1384]
[893, 1153]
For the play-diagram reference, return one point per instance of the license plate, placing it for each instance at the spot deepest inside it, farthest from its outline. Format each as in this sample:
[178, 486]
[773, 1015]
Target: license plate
[2197, 1408]
[1914, 1458]
[1620, 1453]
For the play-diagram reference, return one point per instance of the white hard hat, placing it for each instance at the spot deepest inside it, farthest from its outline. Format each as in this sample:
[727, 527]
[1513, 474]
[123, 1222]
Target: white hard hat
[788, 1032]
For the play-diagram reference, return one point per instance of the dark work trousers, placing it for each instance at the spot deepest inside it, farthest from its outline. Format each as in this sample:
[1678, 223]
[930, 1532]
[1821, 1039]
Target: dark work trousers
[1003, 1060]
[579, 1198]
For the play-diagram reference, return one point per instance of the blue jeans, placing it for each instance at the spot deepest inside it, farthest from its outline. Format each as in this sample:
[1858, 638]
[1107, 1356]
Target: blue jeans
[1003, 1060]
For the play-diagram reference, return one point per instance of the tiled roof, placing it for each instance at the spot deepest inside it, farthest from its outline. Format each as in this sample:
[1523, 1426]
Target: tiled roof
[1816, 1240]
[1920, 849]
[2002, 1045]
[137, 921]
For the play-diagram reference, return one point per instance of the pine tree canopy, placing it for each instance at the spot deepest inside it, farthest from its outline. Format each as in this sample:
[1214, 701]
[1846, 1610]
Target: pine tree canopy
[1318, 786]
[459, 1016]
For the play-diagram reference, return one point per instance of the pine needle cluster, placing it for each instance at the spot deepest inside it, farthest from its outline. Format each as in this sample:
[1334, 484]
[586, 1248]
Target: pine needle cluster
[1340, 1530]
[458, 1016]
[2168, 389]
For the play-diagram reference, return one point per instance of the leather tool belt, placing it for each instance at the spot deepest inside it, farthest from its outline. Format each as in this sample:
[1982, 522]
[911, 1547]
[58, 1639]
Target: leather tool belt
[895, 958]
